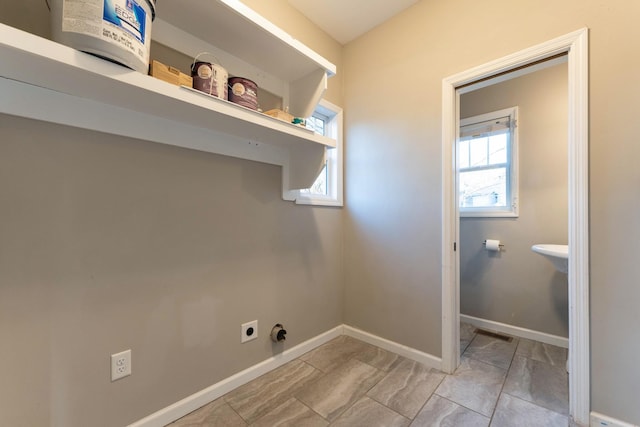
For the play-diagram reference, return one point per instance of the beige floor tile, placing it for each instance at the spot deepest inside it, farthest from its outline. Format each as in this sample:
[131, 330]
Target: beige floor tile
[336, 352]
[262, 395]
[407, 387]
[542, 352]
[467, 333]
[440, 412]
[540, 383]
[493, 351]
[338, 390]
[475, 385]
[378, 358]
[347, 382]
[215, 414]
[292, 413]
[512, 411]
[369, 413]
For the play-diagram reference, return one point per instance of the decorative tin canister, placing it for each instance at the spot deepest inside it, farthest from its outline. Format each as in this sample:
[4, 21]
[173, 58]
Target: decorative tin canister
[210, 78]
[243, 92]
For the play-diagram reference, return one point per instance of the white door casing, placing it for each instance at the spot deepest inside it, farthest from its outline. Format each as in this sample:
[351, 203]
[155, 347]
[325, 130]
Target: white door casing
[575, 45]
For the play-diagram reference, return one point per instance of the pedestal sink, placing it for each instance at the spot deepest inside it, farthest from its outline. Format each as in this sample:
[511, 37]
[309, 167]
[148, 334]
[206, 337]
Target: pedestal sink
[557, 254]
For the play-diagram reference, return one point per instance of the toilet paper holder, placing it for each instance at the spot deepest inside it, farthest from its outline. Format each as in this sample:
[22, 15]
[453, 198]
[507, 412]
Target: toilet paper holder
[485, 244]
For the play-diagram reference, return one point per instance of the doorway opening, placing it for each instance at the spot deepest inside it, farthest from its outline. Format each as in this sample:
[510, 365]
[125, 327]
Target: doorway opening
[575, 47]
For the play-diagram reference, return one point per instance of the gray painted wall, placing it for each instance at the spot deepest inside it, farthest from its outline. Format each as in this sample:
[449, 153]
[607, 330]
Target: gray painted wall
[517, 286]
[111, 243]
[393, 100]
[83, 217]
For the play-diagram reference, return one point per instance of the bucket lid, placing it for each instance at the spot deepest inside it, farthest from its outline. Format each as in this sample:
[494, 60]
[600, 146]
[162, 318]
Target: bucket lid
[212, 64]
[242, 79]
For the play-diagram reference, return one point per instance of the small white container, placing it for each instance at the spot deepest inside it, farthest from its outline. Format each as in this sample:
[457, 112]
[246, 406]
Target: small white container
[117, 30]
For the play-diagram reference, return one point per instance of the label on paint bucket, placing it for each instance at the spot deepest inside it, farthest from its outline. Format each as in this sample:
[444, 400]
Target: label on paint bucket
[238, 89]
[243, 92]
[128, 15]
[210, 79]
[205, 71]
[123, 23]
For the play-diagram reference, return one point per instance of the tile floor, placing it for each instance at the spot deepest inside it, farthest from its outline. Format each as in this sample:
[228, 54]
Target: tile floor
[349, 383]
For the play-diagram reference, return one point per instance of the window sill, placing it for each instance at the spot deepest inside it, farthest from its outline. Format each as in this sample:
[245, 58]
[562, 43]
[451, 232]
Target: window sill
[318, 200]
[489, 215]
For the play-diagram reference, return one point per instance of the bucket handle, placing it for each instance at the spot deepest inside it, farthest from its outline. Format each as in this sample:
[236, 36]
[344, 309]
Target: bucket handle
[193, 64]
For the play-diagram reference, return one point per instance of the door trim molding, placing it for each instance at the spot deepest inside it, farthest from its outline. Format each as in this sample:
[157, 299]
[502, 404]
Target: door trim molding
[575, 45]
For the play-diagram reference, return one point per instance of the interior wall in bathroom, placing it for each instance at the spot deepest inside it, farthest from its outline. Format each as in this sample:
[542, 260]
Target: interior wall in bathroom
[517, 286]
[111, 243]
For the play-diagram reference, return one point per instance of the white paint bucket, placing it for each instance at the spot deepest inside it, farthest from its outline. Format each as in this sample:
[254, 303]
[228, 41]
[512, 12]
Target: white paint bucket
[117, 30]
[209, 78]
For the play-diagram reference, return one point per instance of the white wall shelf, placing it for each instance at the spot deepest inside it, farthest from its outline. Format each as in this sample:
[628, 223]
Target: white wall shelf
[233, 27]
[47, 81]
[238, 36]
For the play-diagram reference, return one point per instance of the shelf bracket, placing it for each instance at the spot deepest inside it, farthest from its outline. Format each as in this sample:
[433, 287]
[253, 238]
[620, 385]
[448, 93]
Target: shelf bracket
[306, 92]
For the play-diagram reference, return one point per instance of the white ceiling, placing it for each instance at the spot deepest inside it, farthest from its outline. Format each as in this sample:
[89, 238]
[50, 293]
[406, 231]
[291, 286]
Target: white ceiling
[346, 20]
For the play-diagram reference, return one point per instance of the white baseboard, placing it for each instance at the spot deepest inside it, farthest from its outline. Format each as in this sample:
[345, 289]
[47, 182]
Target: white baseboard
[516, 331]
[209, 394]
[408, 352]
[599, 420]
[191, 403]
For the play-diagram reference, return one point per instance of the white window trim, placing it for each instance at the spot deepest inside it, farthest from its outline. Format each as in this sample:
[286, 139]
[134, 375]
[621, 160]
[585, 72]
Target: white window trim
[334, 158]
[512, 212]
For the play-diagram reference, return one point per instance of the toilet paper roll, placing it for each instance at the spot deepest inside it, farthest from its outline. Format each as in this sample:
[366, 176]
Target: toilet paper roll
[492, 245]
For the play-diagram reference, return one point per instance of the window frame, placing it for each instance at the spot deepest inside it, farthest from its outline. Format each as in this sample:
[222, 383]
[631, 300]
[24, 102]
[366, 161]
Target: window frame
[334, 161]
[512, 165]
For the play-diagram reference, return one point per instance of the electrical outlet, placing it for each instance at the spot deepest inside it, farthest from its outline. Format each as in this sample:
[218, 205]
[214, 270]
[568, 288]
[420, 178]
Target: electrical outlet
[249, 331]
[120, 365]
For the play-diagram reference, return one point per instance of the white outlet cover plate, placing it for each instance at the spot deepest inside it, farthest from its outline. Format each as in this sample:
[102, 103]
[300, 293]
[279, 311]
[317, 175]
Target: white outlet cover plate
[120, 365]
[244, 335]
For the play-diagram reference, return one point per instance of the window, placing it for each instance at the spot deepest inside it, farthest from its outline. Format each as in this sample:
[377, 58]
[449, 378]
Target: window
[487, 165]
[327, 188]
[319, 124]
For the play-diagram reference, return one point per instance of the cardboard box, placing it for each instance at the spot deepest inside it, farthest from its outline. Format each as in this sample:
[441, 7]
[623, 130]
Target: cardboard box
[280, 115]
[169, 74]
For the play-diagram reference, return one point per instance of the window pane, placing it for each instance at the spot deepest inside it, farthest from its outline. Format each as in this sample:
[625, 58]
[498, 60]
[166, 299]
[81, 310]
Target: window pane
[320, 184]
[463, 154]
[478, 148]
[316, 124]
[484, 188]
[498, 149]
